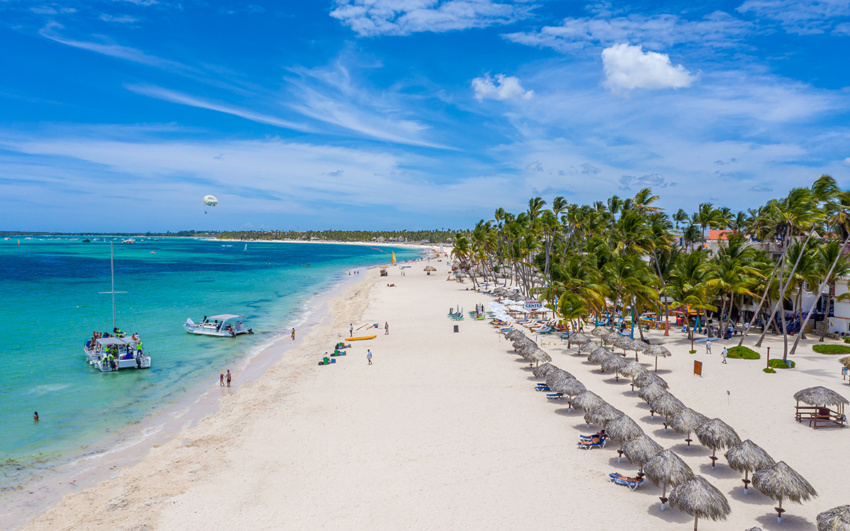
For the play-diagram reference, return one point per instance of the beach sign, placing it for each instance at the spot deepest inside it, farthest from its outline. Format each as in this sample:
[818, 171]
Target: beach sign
[532, 305]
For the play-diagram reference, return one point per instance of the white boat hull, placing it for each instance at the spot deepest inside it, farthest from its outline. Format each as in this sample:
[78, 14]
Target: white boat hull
[200, 330]
[140, 361]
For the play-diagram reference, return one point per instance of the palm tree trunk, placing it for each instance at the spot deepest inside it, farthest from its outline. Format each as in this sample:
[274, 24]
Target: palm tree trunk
[763, 297]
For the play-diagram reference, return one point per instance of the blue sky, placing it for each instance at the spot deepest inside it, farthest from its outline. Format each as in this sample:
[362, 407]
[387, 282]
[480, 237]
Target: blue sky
[122, 114]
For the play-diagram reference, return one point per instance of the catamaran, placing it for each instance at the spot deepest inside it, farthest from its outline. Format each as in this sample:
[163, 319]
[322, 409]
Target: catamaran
[224, 325]
[115, 352]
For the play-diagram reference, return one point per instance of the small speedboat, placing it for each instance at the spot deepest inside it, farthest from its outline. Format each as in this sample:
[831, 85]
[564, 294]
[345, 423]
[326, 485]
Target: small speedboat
[224, 325]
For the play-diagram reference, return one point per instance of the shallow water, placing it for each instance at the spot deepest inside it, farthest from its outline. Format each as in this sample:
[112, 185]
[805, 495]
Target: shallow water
[50, 303]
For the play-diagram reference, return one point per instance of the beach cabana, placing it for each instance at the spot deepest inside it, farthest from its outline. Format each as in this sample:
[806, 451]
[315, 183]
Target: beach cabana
[687, 421]
[668, 405]
[781, 482]
[657, 351]
[824, 407]
[614, 364]
[700, 499]
[602, 415]
[623, 430]
[717, 435]
[835, 519]
[668, 470]
[587, 401]
[640, 450]
[748, 457]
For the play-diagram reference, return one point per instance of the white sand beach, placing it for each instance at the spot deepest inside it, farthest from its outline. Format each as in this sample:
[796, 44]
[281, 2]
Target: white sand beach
[445, 430]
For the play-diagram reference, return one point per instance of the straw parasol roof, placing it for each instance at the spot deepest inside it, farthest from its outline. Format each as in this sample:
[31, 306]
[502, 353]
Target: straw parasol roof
[555, 375]
[602, 415]
[569, 386]
[587, 401]
[599, 355]
[623, 429]
[817, 396]
[542, 370]
[651, 392]
[579, 338]
[846, 362]
[621, 342]
[643, 380]
[687, 421]
[510, 334]
[657, 351]
[430, 268]
[614, 364]
[781, 482]
[666, 404]
[599, 332]
[587, 347]
[835, 519]
[700, 499]
[717, 435]
[748, 457]
[641, 449]
[667, 469]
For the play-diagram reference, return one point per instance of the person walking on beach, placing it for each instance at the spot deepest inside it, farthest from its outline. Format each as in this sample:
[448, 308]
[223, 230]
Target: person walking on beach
[708, 346]
[228, 377]
[220, 379]
[386, 328]
[723, 354]
[369, 356]
[293, 334]
[351, 330]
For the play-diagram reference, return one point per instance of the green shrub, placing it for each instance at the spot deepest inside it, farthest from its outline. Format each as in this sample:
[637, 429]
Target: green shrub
[777, 363]
[769, 370]
[847, 339]
[692, 352]
[831, 349]
[745, 353]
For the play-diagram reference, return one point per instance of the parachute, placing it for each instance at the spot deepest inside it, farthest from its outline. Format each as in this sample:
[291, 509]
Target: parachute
[210, 200]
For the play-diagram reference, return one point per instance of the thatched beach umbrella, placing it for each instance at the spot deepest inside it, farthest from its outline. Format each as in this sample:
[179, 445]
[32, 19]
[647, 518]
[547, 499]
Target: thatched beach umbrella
[633, 369]
[587, 401]
[642, 380]
[687, 421]
[651, 392]
[781, 482]
[429, 269]
[667, 469]
[614, 364]
[579, 338]
[846, 363]
[555, 375]
[602, 415]
[820, 396]
[668, 405]
[700, 499]
[623, 430]
[717, 435]
[640, 450]
[599, 332]
[570, 387]
[621, 342]
[587, 347]
[657, 351]
[599, 355]
[511, 334]
[637, 345]
[748, 457]
[542, 370]
[835, 519]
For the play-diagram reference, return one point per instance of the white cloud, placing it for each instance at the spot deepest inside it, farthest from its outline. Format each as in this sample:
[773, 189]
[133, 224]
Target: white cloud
[655, 32]
[119, 19]
[629, 67]
[368, 18]
[846, 161]
[798, 16]
[501, 88]
[842, 29]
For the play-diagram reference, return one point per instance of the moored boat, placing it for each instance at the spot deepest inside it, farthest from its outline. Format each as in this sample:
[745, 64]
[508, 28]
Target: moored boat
[224, 325]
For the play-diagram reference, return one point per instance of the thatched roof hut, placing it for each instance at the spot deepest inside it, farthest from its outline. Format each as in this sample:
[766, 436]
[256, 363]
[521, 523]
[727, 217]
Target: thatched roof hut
[647, 378]
[614, 364]
[651, 392]
[835, 519]
[587, 401]
[600, 354]
[700, 499]
[748, 457]
[687, 421]
[820, 396]
[667, 469]
[641, 449]
[657, 351]
[542, 370]
[602, 415]
[717, 435]
[822, 402]
[781, 482]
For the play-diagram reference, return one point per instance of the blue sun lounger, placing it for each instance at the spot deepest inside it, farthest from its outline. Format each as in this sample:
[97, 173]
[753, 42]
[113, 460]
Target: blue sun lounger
[587, 445]
[542, 387]
[554, 396]
[631, 483]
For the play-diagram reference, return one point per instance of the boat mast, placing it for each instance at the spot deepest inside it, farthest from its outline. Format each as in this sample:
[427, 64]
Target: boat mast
[112, 271]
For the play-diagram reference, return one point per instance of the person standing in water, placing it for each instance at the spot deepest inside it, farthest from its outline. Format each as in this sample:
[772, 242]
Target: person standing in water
[293, 334]
[35, 416]
[220, 379]
[228, 377]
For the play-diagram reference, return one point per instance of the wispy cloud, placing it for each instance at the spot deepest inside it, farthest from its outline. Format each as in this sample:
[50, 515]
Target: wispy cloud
[118, 19]
[799, 16]
[629, 67]
[185, 99]
[369, 18]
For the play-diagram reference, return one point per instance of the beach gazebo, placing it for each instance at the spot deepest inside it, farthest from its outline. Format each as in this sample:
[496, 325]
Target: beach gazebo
[687, 421]
[640, 450]
[657, 351]
[824, 407]
[781, 482]
[668, 405]
[667, 469]
[835, 519]
[623, 430]
[569, 387]
[717, 435]
[700, 499]
[748, 457]
[587, 401]
[602, 415]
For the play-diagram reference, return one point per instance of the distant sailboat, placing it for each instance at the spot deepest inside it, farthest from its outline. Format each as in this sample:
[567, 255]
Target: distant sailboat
[246, 247]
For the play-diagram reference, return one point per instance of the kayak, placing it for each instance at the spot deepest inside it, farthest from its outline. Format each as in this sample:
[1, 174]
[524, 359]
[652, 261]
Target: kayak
[360, 338]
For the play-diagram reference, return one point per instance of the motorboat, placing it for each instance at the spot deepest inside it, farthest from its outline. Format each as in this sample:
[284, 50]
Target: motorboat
[129, 240]
[224, 325]
[108, 354]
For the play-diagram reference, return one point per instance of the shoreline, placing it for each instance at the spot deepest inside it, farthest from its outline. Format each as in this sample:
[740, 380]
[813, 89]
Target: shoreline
[131, 444]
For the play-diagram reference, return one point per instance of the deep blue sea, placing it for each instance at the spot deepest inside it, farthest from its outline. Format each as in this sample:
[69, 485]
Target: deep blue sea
[51, 302]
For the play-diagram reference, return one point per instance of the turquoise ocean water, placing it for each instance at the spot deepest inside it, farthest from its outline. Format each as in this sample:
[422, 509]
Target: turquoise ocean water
[50, 304]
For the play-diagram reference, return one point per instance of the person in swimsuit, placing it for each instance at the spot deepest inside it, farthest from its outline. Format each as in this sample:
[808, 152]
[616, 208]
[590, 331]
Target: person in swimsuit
[220, 379]
[35, 416]
[228, 377]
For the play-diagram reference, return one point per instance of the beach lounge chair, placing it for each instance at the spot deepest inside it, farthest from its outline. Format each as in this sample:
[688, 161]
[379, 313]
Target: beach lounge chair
[542, 387]
[620, 479]
[554, 396]
[588, 444]
[589, 437]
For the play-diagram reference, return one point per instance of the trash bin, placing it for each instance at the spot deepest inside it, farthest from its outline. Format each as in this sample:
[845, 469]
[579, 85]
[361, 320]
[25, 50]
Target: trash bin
[457, 329]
